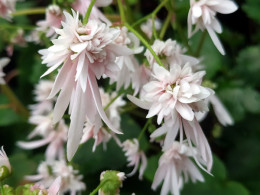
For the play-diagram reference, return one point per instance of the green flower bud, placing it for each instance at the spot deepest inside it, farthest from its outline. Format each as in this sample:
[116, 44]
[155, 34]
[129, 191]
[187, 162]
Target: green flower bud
[4, 172]
[111, 181]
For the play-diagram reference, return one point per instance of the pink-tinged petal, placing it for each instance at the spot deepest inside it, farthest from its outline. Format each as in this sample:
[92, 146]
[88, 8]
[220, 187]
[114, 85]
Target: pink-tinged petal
[215, 40]
[225, 7]
[193, 171]
[171, 135]
[34, 144]
[143, 165]
[185, 111]
[119, 50]
[196, 11]
[174, 178]
[160, 131]
[221, 112]
[154, 110]
[80, 65]
[55, 186]
[166, 184]
[103, 3]
[33, 177]
[160, 73]
[60, 78]
[51, 69]
[159, 176]
[98, 103]
[139, 103]
[216, 26]
[77, 123]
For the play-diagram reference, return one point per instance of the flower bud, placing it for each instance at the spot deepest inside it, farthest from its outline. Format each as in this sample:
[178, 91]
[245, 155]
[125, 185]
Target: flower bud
[5, 167]
[111, 181]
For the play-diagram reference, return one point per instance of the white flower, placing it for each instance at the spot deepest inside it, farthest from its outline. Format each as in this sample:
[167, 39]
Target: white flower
[202, 13]
[147, 27]
[175, 168]
[52, 20]
[43, 106]
[48, 171]
[7, 7]
[4, 160]
[55, 137]
[53, 189]
[3, 63]
[174, 96]
[134, 156]
[170, 52]
[86, 51]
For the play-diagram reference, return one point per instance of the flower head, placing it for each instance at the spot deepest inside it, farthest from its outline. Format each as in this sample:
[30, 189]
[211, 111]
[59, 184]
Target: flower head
[134, 156]
[174, 168]
[6, 8]
[202, 13]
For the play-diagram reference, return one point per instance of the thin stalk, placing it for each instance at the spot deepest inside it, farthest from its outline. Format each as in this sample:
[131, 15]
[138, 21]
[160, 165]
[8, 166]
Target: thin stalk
[165, 25]
[11, 26]
[114, 99]
[1, 188]
[144, 129]
[97, 188]
[202, 39]
[142, 19]
[121, 10]
[85, 21]
[31, 11]
[146, 44]
[15, 101]
[154, 13]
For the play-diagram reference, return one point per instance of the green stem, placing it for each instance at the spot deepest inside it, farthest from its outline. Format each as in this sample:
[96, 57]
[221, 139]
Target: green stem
[142, 19]
[165, 25]
[1, 188]
[29, 11]
[121, 10]
[202, 39]
[97, 188]
[20, 108]
[154, 30]
[11, 26]
[114, 99]
[85, 21]
[144, 129]
[145, 43]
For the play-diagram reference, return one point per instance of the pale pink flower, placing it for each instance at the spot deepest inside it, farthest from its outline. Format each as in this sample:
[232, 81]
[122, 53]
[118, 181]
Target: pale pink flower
[174, 96]
[43, 106]
[4, 160]
[52, 20]
[128, 64]
[7, 7]
[3, 63]
[134, 156]
[86, 51]
[147, 27]
[221, 112]
[202, 13]
[54, 138]
[70, 180]
[170, 52]
[82, 6]
[175, 168]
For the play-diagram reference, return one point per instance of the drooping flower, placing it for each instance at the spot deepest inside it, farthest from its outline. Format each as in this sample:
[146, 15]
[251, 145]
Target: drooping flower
[49, 171]
[147, 27]
[174, 96]
[3, 63]
[5, 167]
[52, 20]
[128, 64]
[202, 13]
[170, 52]
[87, 51]
[43, 106]
[7, 7]
[134, 156]
[175, 168]
[82, 5]
[54, 137]
[53, 189]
